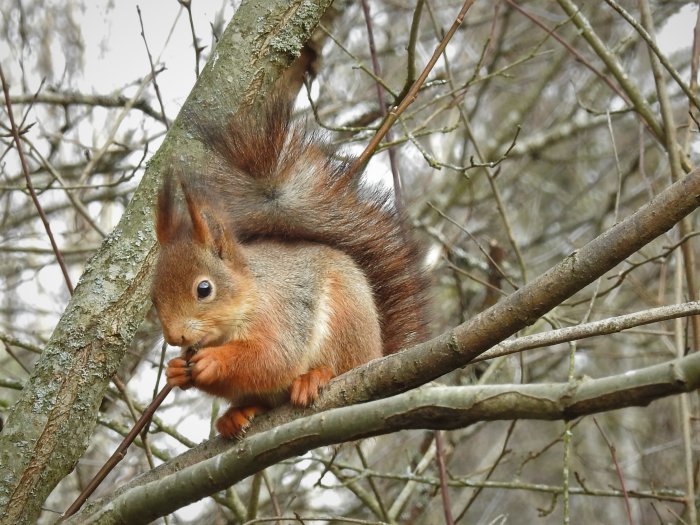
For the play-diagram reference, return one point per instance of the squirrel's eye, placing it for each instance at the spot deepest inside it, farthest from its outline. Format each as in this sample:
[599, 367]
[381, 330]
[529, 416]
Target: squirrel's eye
[204, 289]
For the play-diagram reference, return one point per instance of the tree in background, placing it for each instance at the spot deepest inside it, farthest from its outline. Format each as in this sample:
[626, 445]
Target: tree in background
[547, 160]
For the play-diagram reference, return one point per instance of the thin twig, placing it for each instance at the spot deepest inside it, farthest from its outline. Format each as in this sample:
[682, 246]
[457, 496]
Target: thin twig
[684, 405]
[487, 165]
[501, 455]
[372, 484]
[612, 61]
[13, 341]
[75, 201]
[72, 98]
[30, 186]
[121, 387]
[17, 359]
[595, 328]
[153, 70]
[613, 456]
[92, 163]
[411, 49]
[483, 250]
[571, 49]
[665, 494]
[412, 482]
[396, 176]
[393, 115]
[271, 491]
[119, 454]
[187, 4]
[254, 497]
[694, 65]
[674, 157]
[650, 40]
[446, 503]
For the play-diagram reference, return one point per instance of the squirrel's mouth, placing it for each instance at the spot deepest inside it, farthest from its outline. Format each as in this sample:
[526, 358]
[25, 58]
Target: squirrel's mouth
[207, 341]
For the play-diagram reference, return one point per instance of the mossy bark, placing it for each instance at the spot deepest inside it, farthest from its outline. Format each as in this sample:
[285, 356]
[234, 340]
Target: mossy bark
[49, 428]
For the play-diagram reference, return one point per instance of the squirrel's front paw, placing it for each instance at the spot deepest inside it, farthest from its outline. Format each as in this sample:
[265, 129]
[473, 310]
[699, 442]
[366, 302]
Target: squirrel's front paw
[178, 373]
[236, 419]
[207, 367]
[305, 388]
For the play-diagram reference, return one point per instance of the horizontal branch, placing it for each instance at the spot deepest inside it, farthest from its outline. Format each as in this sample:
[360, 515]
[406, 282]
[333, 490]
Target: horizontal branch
[68, 98]
[596, 328]
[439, 407]
[459, 346]
[661, 494]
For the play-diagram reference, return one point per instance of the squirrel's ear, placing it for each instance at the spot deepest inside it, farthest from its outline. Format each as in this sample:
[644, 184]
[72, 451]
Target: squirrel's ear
[210, 232]
[200, 228]
[164, 212]
[227, 246]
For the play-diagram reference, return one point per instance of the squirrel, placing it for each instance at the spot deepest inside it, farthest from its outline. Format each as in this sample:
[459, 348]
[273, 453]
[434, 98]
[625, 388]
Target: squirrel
[282, 268]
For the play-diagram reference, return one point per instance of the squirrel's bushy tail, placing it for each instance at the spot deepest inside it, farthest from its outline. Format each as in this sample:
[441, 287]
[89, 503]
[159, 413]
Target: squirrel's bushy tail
[279, 180]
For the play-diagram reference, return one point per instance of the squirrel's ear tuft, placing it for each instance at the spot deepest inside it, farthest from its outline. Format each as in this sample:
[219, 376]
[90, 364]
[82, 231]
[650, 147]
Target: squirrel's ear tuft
[165, 220]
[200, 228]
[227, 246]
[207, 228]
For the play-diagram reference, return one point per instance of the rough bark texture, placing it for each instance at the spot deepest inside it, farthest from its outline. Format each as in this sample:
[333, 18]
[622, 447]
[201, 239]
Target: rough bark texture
[48, 429]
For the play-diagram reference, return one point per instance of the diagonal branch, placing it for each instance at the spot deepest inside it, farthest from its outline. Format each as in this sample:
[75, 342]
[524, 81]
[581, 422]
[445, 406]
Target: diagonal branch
[25, 169]
[411, 95]
[438, 407]
[457, 347]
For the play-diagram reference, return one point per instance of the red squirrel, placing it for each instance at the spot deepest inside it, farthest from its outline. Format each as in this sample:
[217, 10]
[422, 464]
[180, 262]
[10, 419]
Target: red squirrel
[282, 269]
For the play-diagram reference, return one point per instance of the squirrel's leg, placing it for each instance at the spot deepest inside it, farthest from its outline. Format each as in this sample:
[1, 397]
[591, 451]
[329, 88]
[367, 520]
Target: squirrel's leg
[236, 419]
[179, 373]
[305, 388]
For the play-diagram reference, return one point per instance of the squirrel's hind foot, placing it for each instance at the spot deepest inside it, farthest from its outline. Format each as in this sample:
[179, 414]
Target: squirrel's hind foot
[306, 387]
[236, 419]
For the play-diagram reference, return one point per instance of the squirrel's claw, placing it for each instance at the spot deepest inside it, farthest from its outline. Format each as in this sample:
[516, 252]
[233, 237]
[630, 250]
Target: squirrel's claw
[236, 419]
[206, 367]
[306, 387]
[178, 373]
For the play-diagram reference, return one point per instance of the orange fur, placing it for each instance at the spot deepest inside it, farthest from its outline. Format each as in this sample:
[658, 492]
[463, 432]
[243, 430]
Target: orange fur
[306, 387]
[235, 420]
[281, 271]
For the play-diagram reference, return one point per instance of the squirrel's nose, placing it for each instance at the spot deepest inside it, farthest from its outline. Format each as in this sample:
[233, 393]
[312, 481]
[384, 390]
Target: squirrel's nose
[178, 339]
[184, 341]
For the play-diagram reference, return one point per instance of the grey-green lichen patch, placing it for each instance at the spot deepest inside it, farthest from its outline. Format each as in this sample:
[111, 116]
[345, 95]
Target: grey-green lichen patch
[44, 398]
[141, 237]
[287, 45]
[291, 39]
[308, 16]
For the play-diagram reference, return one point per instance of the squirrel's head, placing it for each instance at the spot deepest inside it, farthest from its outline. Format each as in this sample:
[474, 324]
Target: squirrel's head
[201, 286]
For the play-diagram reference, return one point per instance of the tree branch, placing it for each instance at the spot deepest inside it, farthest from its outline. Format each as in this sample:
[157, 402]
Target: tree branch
[437, 407]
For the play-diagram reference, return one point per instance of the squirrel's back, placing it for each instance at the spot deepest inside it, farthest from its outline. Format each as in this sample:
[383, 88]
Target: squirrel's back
[276, 179]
